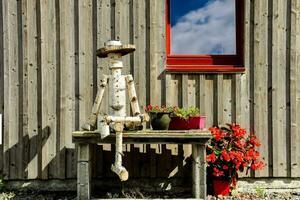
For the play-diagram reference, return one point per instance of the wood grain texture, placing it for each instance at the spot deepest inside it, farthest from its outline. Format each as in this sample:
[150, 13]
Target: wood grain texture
[86, 52]
[13, 166]
[261, 65]
[49, 90]
[279, 88]
[295, 89]
[67, 88]
[30, 87]
[1, 85]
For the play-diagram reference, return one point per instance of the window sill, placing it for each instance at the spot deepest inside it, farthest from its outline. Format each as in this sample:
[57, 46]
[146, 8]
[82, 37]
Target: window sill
[228, 69]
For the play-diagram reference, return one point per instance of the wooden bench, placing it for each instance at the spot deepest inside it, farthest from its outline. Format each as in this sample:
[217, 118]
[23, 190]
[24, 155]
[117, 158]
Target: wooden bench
[198, 138]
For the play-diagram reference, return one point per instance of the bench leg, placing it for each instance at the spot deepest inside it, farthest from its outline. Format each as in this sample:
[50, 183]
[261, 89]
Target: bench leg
[199, 171]
[84, 171]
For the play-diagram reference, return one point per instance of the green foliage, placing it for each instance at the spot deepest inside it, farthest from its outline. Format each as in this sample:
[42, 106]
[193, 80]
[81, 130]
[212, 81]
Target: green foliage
[186, 113]
[260, 192]
[194, 112]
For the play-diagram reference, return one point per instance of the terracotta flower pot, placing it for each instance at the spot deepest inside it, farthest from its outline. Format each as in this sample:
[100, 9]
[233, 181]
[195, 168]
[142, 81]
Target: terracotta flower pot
[160, 120]
[196, 122]
[221, 187]
[178, 123]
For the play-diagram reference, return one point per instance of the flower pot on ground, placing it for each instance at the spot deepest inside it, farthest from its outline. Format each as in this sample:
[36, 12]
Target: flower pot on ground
[221, 187]
[232, 150]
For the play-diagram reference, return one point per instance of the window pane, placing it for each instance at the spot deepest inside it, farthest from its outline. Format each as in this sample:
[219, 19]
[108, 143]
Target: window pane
[203, 27]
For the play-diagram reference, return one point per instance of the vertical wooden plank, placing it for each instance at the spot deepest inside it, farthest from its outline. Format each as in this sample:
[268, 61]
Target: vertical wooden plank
[139, 56]
[122, 28]
[49, 81]
[295, 88]
[202, 95]
[85, 59]
[219, 104]
[156, 42]
[171, 100]
[199, 171]
[260, 80]
[186, 102]
[84, 171]
[103, 35]
[207, 98]
[138, 37]
[279, 88]
[228, 106]
[242, 82]
[1, 85]
[156, 49]
[30, 117]
[67, 87]
[23, 68]
[12, 151]
[104, 10]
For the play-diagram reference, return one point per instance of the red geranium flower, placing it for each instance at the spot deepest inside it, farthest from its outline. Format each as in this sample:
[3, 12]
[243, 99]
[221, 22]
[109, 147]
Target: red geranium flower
[231, 150]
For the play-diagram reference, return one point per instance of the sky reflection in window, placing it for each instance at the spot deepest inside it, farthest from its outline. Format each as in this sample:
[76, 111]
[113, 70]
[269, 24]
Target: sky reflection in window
[203, 27]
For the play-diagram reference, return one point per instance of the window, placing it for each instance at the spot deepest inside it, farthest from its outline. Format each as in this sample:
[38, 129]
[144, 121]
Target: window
[204, 35]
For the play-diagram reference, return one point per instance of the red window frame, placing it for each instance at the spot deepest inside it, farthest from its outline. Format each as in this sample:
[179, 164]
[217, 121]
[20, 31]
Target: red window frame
[208, 63]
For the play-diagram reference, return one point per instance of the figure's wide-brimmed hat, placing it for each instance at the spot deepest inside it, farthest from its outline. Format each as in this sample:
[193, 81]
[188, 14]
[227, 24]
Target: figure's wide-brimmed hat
[115, 47]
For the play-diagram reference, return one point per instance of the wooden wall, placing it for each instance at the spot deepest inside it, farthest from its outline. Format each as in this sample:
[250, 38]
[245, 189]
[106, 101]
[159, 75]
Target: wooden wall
[49, 75]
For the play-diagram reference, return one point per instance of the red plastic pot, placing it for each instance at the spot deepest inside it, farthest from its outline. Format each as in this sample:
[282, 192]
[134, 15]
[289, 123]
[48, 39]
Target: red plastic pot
[178, 123]
[196, 122]
[221, 187]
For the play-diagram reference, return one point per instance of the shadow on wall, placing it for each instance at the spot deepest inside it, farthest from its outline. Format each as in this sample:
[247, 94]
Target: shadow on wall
[167, 168]
[38, 157]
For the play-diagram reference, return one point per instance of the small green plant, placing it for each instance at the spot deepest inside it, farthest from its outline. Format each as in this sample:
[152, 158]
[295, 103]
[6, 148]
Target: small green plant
[181, 113]
[260, 192]
[194, 112]
[186, 113]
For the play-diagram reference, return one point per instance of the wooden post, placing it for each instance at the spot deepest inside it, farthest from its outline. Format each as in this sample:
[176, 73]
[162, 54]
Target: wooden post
[84, 171]
[199, 171]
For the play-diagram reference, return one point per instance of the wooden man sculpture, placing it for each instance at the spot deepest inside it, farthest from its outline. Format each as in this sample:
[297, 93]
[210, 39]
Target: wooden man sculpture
[117, 117]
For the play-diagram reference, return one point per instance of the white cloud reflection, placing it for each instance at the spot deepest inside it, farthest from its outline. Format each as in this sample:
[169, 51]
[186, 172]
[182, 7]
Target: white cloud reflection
[207, 30]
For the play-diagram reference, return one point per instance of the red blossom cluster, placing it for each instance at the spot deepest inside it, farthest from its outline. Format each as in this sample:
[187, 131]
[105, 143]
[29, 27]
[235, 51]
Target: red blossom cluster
[232, 150]
[156, 109]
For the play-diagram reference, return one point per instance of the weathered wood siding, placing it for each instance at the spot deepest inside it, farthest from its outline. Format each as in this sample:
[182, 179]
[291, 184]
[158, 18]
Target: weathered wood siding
[49, 75]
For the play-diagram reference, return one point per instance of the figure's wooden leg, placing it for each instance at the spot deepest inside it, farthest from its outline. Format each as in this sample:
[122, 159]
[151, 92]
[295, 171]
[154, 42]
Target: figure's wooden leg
[117, 166]
[199, 171]
[90, 124]
[84, 171]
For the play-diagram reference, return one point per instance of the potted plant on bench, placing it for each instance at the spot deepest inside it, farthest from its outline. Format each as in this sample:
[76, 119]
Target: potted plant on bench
[190, 118]
[159, 116]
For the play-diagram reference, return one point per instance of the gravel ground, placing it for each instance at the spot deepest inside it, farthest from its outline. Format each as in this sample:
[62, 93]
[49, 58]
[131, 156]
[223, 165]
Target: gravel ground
[28, 195]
